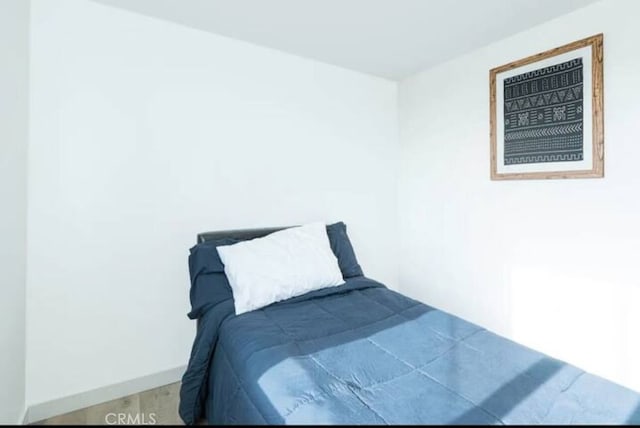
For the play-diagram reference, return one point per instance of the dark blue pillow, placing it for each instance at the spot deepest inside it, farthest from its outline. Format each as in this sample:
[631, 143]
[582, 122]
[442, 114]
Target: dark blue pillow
[210, 286]
[342, 248]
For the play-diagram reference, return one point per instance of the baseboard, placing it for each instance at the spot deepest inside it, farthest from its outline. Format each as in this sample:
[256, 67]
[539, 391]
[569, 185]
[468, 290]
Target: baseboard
[79, 401]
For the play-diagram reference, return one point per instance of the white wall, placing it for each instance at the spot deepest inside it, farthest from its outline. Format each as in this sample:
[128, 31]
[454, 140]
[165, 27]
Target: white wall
[552, 264]
[145, 133]
[14, 86]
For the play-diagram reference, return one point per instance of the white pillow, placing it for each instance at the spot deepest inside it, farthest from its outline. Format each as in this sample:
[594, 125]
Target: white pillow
[279, 266]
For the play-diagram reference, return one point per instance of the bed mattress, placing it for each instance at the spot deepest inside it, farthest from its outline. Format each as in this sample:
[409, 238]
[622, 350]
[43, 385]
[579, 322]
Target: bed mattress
[364, 354]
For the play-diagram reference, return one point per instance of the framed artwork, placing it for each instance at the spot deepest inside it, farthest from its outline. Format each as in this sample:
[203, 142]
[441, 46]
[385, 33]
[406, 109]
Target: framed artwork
[547, 114]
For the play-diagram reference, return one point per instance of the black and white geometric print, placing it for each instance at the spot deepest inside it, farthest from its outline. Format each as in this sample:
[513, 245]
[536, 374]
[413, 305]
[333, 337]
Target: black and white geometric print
[543, 115]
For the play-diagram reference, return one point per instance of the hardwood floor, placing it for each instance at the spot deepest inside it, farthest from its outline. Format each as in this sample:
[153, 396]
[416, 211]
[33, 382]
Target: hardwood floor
[157, 406]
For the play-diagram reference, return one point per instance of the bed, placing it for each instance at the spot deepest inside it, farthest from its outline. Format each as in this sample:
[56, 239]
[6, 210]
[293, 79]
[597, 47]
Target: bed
[361, 353]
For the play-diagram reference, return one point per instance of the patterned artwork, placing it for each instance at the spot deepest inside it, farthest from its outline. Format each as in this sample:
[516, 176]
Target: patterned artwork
[546, 114]
[543, 115]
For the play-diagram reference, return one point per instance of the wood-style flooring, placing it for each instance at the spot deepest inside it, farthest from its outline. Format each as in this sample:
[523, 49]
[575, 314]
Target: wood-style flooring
[158, 406]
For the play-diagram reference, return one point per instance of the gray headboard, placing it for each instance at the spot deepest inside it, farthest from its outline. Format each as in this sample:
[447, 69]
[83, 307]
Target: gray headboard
[242, 234]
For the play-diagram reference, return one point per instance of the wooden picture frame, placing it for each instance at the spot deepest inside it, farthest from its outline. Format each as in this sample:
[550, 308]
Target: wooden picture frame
[542, 125]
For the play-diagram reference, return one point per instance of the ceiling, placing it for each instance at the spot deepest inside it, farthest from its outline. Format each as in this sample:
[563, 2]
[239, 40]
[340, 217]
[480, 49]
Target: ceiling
[387, 38]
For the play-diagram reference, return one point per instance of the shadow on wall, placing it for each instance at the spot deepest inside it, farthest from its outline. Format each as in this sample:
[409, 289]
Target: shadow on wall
[582, 299]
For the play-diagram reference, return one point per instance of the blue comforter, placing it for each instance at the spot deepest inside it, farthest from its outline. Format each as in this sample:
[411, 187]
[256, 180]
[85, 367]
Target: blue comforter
[363, 354]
